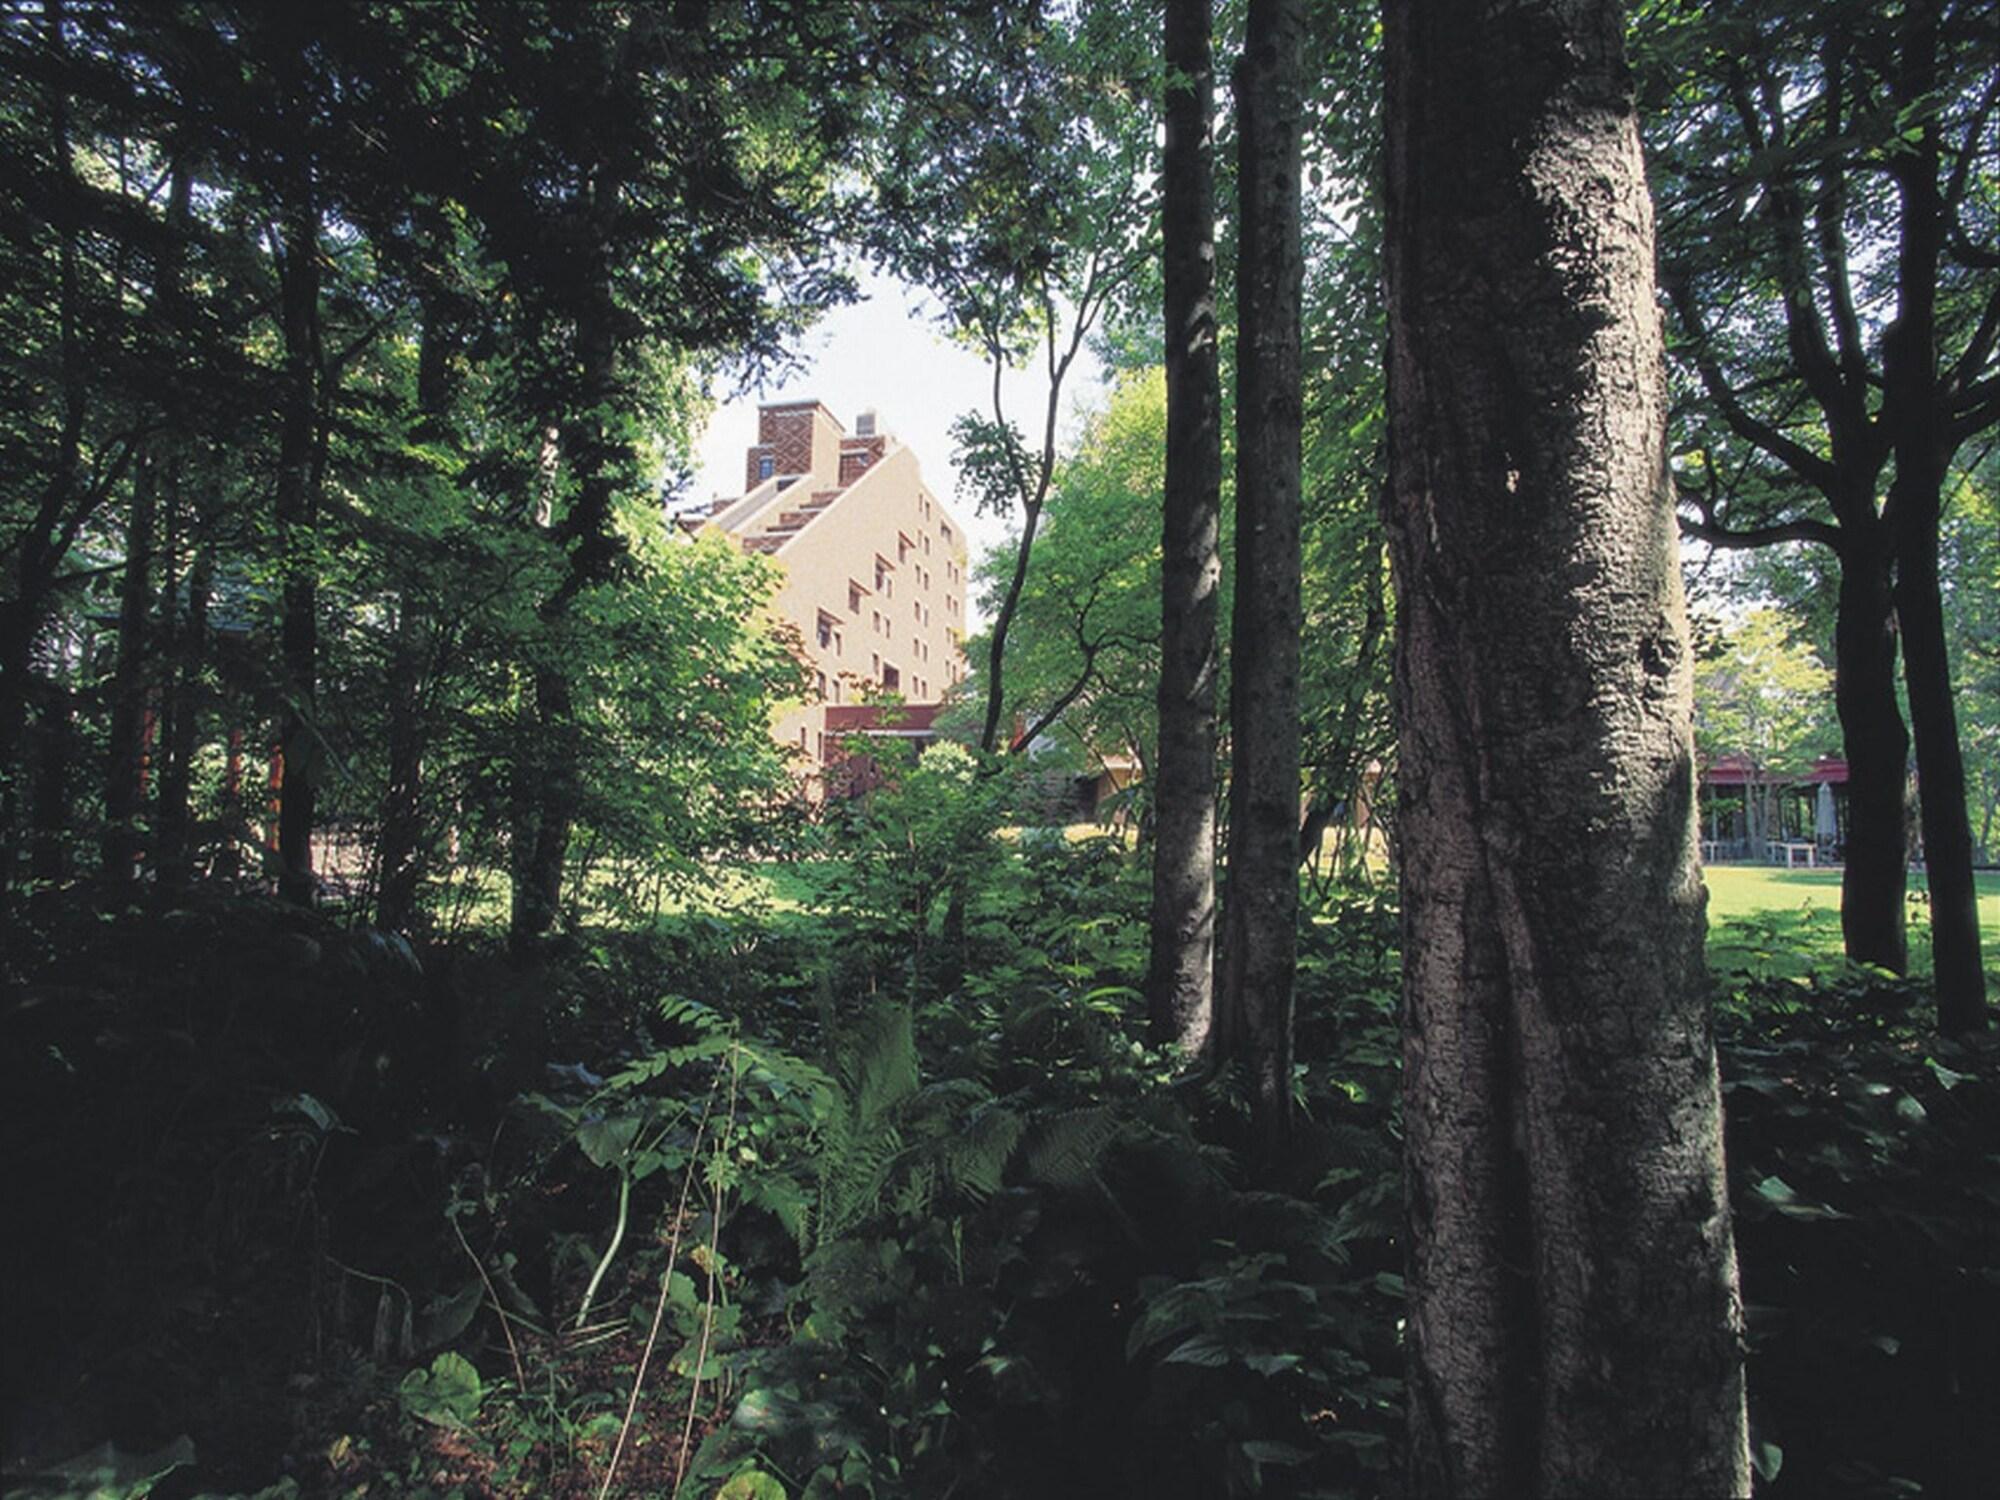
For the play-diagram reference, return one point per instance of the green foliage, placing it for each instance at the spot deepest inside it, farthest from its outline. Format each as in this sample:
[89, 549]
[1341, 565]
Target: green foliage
[1085, 639]
[106, 1473]
[1761, 694]
[447, 1394]
[924, 831]
[1866, 1188]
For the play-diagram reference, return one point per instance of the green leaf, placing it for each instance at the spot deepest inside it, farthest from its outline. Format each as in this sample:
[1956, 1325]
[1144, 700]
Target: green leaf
[323, 1119]
[1948, 1078]
[751, 1484]
[1779, 1195]
[1262, 1451]
[1203, 1349]
[445, 1395]
[445, 1318]
[1766, 1459]
[108, 1473]
[1271, 1364]
[606, 1142]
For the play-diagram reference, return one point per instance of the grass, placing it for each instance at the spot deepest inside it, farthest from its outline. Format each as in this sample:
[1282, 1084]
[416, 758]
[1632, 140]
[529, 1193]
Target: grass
[1764, 920]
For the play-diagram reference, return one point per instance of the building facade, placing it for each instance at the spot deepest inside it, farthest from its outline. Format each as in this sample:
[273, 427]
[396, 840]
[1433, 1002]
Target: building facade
[875, 566]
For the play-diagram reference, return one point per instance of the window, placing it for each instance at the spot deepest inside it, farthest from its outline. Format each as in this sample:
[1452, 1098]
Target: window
[828, 633]
[764, 465]
[882, 579]
[927, 544]
[821, 678]
[854, 593]
[903, 548]
[891, 678]
[874, 664]
[944, 531]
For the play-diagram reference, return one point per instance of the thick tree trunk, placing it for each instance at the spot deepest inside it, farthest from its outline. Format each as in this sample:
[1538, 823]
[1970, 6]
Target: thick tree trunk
[1180, 976]
[1878, 751]
[1956, 958]
[297, 513]
[131, 683]
[1912, 405]
[1574, 1322]
[1254, 991]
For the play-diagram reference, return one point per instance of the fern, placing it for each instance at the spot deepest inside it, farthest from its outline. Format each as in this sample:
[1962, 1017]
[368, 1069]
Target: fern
[1064, 1150]
[874, 1069]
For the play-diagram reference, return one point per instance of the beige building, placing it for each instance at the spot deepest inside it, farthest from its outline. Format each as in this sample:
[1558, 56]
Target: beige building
[874, 565]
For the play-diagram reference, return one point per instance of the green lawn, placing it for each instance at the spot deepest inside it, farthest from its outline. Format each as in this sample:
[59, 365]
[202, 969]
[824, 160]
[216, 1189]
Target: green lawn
[1775, 921]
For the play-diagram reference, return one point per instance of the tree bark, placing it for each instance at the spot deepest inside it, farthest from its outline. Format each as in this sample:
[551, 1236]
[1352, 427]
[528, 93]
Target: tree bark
[399, 848]
[1956, 957]
[1878, 752]
[180, 727]
[1574, 1321]
[1180, 975]
[592, 452]
[1254, 990]
[1913, 406]
[130, 687]
[297, 514]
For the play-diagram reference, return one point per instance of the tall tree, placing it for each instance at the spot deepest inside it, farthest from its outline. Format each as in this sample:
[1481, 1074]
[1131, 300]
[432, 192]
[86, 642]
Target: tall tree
[1259, 958]
[1828, 249]
[1574, 1323]
[1180, 973]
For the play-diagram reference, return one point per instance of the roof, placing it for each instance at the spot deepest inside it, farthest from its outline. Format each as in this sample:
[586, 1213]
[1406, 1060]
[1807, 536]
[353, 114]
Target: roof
[898, 720]
[1741, 770]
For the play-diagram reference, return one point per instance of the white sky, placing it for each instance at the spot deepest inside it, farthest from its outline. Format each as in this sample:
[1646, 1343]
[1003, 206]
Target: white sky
[885, 353]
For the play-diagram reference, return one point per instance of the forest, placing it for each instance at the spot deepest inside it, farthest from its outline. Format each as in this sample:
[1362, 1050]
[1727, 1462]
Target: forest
[1544, 451]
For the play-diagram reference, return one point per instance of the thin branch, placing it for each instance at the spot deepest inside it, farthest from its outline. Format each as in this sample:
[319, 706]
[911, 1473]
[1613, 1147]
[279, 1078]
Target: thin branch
[1800, 459]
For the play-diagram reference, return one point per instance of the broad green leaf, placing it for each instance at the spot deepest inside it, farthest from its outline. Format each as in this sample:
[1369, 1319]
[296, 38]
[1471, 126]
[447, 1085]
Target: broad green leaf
[445, 1395]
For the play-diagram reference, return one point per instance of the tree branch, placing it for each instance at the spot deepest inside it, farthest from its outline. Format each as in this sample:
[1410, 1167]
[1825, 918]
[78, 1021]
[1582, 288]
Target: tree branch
[1800, 459]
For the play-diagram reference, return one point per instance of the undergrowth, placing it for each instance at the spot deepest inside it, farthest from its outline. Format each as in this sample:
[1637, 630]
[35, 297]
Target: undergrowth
[797, 1205]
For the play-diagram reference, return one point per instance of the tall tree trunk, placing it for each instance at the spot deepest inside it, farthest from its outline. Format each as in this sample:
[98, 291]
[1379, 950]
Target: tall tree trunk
[399, 866]
[542, 836]
[1180, 976]
[1912, 406]
[49, 815]
[38, 549]
[180, 729]
[131, 685]
[399, 847]
[1878, 753]
[1254, 990]
[136, 676]
[1956, 957]
[1574, 1322]
[297, 514]
[594, 456]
